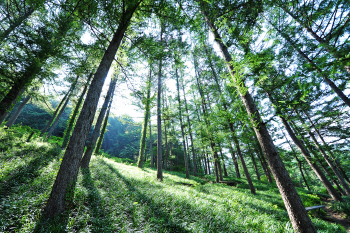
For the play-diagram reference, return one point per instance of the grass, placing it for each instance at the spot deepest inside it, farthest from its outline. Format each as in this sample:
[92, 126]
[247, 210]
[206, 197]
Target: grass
[116, 197]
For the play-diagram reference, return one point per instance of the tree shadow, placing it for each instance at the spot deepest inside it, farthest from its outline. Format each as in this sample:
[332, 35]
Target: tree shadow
[100, 217]
[156, 210]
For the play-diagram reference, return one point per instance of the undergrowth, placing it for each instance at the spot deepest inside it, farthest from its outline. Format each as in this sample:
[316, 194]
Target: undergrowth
[114, 197]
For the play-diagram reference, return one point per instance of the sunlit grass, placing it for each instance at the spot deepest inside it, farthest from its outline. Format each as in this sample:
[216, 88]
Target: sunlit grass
[115, 197]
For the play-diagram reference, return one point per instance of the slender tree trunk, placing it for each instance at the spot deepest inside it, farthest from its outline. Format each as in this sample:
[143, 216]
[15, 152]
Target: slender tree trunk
[208, 164]
[299, 218]
[68, 172]
[85, 161]
[333, 51]
[254, 163]
[315, 67]
[55, 113]
[328, 148]
[15, 115]
[14, 101]
[166, 137]
[190, 132]
[181, 124]
[263, 163]
[75, 114]
[150, 142]
[103, 131]
[145, 121]
[159, 117]
[223, 162]
[234, 160]
[297, 159]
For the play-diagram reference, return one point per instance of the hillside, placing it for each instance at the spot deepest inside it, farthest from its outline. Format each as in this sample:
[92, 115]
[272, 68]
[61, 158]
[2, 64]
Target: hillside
[116, 197]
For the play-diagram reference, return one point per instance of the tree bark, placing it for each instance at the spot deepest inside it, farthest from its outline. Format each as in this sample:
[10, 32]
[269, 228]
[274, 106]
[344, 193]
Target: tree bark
[75, 114]
[223, 162]
[181, 124]
[103, 131]
[63, 188]
[15, 115]
[85, 161]
[190, 132]
[145, 122]
[254, 163]
[150, 142]
[55, 113]
[299, 218]
[234, 160]
[159, 117]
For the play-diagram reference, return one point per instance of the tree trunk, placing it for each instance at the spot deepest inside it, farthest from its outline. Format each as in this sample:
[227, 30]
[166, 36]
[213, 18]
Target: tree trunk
[3, 117]
[103, 131]
[223, 162]
[53, 126]
[181, 124]
[63, 188]
[254, 163]
[15, 115]
[331, 191]
[190, 132]
[54, 114]
[263, 163]
[299, 218]
[150, 142]
[166, 138]
[85, 161]
[145, 122]
[75, 114]
[234, 160]
[159, 117]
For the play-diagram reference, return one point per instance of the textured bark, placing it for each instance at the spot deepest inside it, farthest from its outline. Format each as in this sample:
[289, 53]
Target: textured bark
[190, 132]
[75, 114]
[299, 218]
[181, 124]
[3, 117]
[320, 40]
[145, 122]
[63, 188]
[15, 115]
[330, 189]
[85, 161]
[54, 114]
[318, 70]
[150, 142]
[166, 138]
[223, 162]
[264, 164]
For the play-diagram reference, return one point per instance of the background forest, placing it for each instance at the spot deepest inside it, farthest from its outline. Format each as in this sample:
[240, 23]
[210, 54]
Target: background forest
[249, 94]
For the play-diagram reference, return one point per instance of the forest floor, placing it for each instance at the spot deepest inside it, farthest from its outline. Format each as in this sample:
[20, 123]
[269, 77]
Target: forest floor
[335, 217]
[116, 197]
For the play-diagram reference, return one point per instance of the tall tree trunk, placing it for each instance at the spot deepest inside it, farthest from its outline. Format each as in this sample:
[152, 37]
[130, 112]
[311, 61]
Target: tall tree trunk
[3, 117]
[104, 128]
[223, 162]
[53, 126]
[165, 137]
[55, 113]
[75, 114]
[15, 115]
[315, 67]
[159, 117]
[234, 160]
[85, 161]
[254, 163]
[263, 163]
[190, 132]
[320, 40]
[297, 159]
[68, 172]
[181, 124]
[145, 121]
[299, 218]
[150, 142]
[328, 148]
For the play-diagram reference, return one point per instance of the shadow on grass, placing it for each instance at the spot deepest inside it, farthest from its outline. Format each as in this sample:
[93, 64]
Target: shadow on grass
[156, 210]
[100, 222]
[26, 173]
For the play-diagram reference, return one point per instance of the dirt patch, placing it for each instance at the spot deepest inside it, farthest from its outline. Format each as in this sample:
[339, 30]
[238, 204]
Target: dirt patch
[335, 217]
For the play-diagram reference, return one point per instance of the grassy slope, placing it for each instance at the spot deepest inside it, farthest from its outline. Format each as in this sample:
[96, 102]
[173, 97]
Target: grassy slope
[114, 197]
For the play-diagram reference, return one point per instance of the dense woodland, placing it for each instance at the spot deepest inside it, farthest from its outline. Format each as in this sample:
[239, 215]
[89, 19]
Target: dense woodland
[250, 91]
